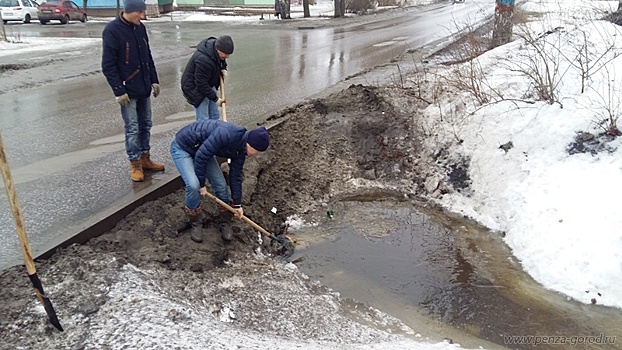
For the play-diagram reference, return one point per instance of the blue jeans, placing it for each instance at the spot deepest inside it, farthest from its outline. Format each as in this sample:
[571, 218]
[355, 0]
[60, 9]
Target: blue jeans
[208, 109]
[185, 165]
[137, 118]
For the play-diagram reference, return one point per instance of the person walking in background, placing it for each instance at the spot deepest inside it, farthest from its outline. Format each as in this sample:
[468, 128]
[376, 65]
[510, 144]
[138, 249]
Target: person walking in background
[129, 69]
[194, 150]
[201, 78]
[277, 8]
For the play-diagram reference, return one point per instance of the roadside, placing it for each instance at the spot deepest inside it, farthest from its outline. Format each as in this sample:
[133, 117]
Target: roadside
[143, 285]
[366, 133]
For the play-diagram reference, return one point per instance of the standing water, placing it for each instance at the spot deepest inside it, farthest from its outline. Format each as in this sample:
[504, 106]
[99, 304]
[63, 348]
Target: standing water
[444, 275]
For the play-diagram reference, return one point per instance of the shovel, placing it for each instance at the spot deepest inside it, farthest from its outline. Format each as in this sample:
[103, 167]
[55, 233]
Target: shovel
[222, 95]
[284, 242]
[23, 239]
[224, 114]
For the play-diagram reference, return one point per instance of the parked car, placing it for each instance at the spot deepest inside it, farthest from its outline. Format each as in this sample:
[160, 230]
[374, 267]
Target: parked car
[18, 10]
[60, 10]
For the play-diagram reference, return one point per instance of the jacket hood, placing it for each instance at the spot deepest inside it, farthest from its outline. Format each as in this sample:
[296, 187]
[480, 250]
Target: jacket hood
[206, 47]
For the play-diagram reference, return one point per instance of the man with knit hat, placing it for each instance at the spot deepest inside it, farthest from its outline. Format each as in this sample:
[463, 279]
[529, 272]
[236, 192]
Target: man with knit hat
[129, 69]
[194, 150]
[201, 79]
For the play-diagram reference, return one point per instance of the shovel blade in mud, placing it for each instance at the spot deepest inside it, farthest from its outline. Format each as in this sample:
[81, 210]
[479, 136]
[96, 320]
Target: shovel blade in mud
[47, 303]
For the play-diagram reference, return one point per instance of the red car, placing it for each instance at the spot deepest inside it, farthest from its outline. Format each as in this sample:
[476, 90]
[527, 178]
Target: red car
[60, 10]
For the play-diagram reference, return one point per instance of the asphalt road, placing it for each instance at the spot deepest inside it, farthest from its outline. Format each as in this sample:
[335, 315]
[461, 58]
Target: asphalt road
[62, 130]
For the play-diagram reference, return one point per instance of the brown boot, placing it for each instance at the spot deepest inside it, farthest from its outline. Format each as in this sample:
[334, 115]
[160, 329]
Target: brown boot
[148, 164]
[136, 170]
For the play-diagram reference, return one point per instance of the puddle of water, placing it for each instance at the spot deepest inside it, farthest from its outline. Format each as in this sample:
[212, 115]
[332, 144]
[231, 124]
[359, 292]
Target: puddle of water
[440, 275]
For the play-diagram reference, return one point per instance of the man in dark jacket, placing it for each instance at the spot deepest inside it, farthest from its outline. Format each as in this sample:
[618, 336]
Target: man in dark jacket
[201, 78]
[131, 73]
[194, 151]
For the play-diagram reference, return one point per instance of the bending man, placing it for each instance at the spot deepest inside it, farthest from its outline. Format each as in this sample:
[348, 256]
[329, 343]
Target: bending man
[194, 151]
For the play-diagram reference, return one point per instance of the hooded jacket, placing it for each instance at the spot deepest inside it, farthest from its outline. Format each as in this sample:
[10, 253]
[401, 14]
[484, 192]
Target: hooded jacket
[126, 59]
[202, 72]
[208, 138]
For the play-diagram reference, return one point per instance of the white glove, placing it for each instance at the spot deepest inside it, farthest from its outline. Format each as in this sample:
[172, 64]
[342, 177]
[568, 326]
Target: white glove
[123, 100]
[156, 89]
[220, 101]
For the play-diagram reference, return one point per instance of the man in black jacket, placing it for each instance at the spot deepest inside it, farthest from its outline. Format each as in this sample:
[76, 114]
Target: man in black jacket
[129, 69]
[201, 78]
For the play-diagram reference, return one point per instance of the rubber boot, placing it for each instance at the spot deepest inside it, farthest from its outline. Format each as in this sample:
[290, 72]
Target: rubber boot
[148, 164]
[224, 220]
[136, 171]
[196, 223]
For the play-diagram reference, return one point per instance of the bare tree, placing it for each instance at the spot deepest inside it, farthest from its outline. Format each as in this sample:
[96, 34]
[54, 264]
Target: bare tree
[305, 8]
[286, 9]
[502, 32]
[3, 32]
[340, 8]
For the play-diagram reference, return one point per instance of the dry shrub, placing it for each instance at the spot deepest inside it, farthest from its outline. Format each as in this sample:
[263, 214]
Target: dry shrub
[523, 17]
[360, 6]
[398, 3]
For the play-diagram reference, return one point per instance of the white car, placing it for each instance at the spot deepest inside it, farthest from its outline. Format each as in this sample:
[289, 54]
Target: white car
[18, 10]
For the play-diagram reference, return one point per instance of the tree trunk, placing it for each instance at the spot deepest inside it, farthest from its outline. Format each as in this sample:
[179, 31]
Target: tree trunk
[286, 9]
[305, 8]
[3, 32]
[502, 32]
[340, 6]
[84, 4]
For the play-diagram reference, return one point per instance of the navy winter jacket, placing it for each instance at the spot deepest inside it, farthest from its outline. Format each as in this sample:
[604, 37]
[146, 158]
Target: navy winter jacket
[202, 72]
[126, 59]
[207, 138]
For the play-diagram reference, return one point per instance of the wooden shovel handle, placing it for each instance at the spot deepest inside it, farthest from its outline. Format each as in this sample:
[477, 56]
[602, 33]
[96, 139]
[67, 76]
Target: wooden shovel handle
[249, 221]
[16, 211]
[222, 95]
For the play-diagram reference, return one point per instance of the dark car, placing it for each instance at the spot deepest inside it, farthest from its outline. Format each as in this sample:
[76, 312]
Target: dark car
[60, 10]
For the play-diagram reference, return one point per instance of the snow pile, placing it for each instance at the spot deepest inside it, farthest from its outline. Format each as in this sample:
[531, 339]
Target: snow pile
[543, 173]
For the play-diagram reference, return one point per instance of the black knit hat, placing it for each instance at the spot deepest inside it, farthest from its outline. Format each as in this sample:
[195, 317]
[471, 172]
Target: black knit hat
[224, 43]
[259, 139]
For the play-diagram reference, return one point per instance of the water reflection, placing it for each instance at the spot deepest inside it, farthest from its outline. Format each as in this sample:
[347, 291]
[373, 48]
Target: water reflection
[454, 273]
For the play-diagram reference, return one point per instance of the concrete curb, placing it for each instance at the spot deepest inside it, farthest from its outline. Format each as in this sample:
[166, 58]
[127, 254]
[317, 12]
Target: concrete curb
[110, 217]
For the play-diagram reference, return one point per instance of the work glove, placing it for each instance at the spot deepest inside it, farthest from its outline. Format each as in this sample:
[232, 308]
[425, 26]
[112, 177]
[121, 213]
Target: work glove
[239, 211]
[220, 101]
[123, 100]
[156, 89]
[223, 74]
